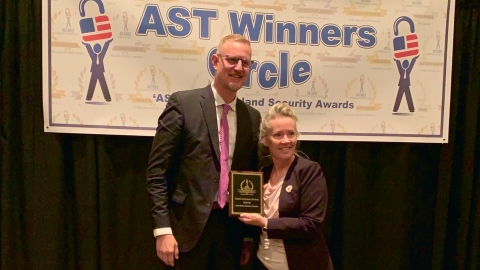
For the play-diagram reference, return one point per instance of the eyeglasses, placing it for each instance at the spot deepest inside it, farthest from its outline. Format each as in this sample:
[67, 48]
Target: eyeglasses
[233, 60]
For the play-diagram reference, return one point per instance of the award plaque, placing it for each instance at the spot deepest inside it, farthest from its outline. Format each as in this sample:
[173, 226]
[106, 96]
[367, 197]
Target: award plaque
[245, 193]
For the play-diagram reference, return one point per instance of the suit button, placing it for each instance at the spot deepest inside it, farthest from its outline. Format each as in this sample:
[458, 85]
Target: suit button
[216, 179]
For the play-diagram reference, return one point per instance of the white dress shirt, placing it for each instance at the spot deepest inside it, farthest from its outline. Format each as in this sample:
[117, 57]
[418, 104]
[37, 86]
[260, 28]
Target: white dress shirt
[232, 123]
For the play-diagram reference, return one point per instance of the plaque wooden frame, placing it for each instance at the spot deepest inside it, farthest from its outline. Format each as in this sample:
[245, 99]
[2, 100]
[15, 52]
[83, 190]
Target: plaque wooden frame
[245, 193]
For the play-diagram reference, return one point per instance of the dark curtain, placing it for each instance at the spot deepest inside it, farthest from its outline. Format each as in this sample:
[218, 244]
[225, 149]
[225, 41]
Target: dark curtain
[79, 201]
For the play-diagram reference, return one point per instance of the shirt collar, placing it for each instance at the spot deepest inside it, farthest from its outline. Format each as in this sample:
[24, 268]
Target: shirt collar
[219, 100]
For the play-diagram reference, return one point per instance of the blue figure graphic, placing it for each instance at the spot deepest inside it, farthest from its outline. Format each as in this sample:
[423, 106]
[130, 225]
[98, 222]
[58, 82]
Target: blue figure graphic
[405, 68]
[153, 72]
[97, 54]
[313, 85]
[125, 21]
[68, 15]
[438, 40]
[362, 81]
[388, 43]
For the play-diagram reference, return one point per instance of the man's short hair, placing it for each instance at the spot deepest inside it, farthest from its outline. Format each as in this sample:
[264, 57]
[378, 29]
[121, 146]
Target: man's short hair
[232, 37]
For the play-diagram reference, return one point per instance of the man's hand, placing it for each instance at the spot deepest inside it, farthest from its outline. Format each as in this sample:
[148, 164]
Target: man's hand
[167, 248]
[247, 250]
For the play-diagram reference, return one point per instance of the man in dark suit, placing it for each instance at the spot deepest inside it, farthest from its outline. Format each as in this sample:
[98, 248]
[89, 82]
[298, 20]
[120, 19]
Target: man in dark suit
[192, 227]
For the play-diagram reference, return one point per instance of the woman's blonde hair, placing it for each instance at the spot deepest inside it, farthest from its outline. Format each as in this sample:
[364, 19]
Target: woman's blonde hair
[277, 110]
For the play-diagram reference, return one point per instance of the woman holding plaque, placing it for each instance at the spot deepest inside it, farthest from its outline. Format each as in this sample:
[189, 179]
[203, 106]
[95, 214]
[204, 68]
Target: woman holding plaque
[294, 200]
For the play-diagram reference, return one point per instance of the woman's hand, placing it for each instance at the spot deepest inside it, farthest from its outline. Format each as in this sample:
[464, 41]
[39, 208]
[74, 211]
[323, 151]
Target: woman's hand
[253, 219]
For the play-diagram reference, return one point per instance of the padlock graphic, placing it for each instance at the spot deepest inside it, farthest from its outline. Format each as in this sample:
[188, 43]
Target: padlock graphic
[405, 46]
[94, 28]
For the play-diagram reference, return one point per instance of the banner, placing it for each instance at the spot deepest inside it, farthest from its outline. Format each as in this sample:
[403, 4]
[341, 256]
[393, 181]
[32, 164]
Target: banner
[359, 70]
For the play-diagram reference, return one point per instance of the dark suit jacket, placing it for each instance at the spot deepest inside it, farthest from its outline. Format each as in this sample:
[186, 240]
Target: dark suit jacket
[301, 214]
[184, 168]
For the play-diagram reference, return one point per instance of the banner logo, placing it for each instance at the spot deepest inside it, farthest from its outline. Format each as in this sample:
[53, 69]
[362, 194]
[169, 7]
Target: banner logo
[405, 46]
[94, 30]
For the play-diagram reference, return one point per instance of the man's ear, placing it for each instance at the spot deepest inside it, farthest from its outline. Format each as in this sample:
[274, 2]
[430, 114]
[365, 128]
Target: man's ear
[215, 59]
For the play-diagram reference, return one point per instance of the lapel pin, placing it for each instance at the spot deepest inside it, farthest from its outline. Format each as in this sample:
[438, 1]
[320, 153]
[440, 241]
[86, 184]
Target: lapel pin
[289, 188]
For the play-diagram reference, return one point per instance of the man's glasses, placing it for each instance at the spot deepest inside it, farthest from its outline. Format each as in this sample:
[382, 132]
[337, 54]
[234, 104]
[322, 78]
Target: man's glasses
[233, 60]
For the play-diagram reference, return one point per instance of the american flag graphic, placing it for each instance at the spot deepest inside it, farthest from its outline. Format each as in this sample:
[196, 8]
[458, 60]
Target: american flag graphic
[94, 29]
[405, 46]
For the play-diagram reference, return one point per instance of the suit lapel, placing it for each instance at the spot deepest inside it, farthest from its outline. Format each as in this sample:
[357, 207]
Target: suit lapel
[290, 180]
[244, 133]
[210, 114]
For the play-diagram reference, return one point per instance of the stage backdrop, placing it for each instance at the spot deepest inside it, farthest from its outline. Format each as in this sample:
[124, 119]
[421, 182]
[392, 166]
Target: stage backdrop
[360, 70]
